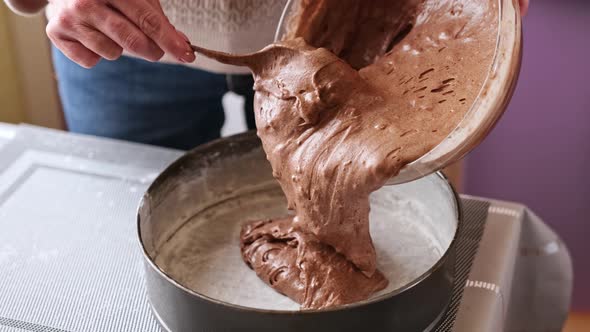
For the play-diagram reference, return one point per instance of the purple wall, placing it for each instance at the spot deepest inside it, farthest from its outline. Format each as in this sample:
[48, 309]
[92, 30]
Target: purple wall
[539, 154]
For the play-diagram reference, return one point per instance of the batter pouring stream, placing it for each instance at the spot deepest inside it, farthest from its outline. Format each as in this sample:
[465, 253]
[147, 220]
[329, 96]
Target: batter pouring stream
[357, 90]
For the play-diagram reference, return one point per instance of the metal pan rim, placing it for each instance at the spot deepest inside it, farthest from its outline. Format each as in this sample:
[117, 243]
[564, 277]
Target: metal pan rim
[146, 257]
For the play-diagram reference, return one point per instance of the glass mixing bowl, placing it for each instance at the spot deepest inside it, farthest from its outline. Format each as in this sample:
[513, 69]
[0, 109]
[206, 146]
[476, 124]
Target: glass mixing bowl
[491, 102]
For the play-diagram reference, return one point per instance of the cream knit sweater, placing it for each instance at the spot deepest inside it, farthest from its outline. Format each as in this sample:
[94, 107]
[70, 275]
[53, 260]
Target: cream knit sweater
[236, 26]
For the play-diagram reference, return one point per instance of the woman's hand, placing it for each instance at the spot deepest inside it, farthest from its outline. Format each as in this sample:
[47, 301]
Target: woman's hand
[88, 30]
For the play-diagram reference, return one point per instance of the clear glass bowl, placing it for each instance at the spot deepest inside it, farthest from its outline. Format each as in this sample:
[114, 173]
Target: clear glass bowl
[487, 108]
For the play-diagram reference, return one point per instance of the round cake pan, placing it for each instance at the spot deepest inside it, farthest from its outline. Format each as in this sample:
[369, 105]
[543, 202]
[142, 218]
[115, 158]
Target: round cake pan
[188, 226]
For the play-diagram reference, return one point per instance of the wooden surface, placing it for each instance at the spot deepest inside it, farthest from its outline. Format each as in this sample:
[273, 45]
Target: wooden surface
[578, 322]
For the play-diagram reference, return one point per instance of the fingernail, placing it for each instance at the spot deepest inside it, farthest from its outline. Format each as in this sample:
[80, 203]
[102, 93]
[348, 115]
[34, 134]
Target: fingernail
[188, 57]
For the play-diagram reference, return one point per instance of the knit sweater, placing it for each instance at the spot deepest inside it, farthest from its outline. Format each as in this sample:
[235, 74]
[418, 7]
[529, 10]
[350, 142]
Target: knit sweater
[236, 26]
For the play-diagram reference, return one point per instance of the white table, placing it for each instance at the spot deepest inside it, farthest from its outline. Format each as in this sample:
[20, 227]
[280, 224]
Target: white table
[70, 261]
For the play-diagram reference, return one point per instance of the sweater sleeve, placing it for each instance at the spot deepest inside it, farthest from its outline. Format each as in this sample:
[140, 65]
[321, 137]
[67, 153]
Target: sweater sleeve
[26, 7]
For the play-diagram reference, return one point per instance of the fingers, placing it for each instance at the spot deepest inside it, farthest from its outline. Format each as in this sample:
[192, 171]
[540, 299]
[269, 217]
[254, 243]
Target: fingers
[81, 42]
[86, 30]
[156, 26]
[77, 52]
[125, 34]
[57, 31]
[98, 43]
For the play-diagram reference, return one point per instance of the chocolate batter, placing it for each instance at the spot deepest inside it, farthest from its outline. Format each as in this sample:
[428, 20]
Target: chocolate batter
[356, 91]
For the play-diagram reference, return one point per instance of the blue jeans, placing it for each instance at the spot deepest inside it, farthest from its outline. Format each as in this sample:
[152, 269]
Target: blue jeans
[132, 99]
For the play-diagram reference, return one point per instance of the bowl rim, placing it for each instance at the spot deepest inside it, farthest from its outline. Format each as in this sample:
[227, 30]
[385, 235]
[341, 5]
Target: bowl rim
[202, 150]
[439, 156]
